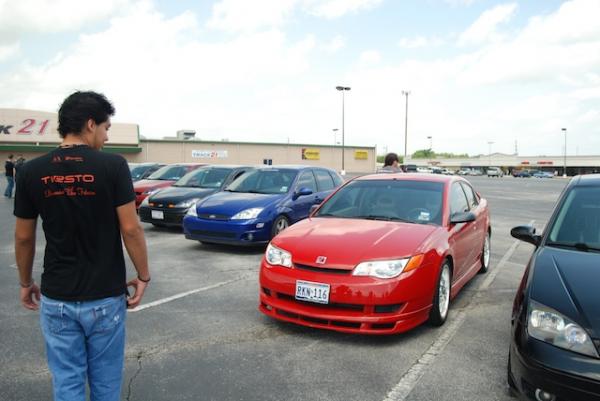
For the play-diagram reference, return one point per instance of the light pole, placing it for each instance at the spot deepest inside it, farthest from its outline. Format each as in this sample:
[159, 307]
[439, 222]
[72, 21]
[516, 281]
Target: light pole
[406, 93]
[343, 89]
[430, 142]
[565, 154]
[490, 143]
[335, 130]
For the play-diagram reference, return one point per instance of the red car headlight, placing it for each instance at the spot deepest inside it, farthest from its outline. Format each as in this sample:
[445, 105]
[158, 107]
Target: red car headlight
[387, 268]
[277, 256]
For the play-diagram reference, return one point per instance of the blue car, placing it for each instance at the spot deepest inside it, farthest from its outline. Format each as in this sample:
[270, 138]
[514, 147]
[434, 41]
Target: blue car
[259, 204]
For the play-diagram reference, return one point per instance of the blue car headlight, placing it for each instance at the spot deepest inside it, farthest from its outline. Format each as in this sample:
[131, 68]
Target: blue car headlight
[548, 325]
[192, 211]
[248, 214]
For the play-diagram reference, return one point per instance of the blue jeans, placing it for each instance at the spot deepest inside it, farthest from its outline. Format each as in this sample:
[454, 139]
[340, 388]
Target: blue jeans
[85, 340]
[9, 188]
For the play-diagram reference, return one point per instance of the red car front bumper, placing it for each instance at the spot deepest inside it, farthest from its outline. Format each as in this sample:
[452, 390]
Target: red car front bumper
[365, 305]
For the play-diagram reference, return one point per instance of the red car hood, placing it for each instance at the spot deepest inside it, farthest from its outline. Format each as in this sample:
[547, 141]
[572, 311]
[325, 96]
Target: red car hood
[347, 242]
[145, 185]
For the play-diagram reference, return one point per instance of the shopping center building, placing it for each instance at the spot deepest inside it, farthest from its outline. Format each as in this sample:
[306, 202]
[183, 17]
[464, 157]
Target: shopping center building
[32, 133]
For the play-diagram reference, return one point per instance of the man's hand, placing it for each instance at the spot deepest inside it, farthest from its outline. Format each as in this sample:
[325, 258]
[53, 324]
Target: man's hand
[139, 288]
[29, 296]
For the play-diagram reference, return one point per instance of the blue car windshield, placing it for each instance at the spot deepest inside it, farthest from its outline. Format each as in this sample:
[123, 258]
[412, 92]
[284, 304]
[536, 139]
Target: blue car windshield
[577, 224]
[417, 202]
[204, 178]
[168, 173]
[264, 181]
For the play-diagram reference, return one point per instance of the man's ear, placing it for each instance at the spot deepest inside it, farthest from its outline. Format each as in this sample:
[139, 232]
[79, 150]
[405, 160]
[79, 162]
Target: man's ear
[90, 125]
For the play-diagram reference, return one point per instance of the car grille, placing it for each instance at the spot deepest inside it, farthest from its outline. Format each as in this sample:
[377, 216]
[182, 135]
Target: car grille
[392, 308]
[213, 234]
[211, 216]
[170, 217]
[321, 269]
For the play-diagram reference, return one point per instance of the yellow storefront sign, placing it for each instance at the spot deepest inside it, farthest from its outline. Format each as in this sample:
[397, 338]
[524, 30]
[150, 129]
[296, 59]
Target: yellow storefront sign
[311, 154]
[361, 154]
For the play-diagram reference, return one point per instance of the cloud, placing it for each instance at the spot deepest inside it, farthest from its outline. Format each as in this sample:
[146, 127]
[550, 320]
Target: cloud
[485, 28]
[48, 16]
[336, 8]
[243, 15]
[248, 16]
[419, 42]
[370, 57]
[335, 44]
[9, 51]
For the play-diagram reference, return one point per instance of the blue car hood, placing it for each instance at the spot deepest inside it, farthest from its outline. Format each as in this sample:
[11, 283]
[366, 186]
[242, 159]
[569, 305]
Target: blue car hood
[231, 203]
[567, 281]
[180, 194]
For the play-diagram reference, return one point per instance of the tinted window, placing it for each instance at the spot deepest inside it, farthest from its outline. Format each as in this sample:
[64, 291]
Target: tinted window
[324, 180]
[411, 201]
[204, 178]
[578, 220]
[471, 196]
[307, 180]
[264, 181]
[337, 180]
[168, 173]
[458, 201]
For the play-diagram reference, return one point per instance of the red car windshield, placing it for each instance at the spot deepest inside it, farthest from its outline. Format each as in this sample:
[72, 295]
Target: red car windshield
[418, 202]
[168, 173]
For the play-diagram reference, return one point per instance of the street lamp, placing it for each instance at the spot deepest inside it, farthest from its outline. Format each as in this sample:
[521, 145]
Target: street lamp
[405, 93]
[335, 130]
[565, 154]
[430, 142]
[343, 89]
[490, 143]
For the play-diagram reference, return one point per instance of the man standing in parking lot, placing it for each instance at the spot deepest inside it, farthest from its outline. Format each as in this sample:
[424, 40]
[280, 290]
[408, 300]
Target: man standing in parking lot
[86, 203]
[391, 164]
[9, 167]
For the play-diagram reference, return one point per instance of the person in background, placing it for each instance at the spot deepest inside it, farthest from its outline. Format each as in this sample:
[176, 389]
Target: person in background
[391, 164]
[86, 203]
[18, 165]
[9, 167]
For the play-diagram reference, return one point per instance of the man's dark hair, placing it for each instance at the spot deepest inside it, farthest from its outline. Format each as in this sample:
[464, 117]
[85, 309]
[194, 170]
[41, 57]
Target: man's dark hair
[390, 158]
[79, 107]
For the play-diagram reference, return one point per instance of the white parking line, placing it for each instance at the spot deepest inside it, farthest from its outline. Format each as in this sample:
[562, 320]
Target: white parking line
[183, 294]
[410, 379]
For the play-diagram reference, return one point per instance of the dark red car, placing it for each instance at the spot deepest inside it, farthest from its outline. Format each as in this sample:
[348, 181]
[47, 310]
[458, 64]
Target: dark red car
[161, 178]
[381, 255]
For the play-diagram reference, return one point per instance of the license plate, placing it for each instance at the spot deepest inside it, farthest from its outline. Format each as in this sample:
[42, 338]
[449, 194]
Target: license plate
[312, 292]
[158, 215]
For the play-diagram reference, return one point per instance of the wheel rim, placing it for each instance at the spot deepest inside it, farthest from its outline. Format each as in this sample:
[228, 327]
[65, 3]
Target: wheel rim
[486, 251]
[444, 292]
[281, 225]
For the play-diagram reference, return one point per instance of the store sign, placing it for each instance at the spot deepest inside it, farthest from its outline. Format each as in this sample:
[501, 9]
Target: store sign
[209, 154]
[311, 154]
[41, 127]
[361, 154]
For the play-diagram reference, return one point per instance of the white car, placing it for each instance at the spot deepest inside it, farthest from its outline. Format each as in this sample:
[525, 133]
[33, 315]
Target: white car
[495, 172]
[423, 170]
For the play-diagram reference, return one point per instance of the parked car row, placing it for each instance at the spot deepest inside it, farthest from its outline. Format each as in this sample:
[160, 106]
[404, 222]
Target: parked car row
[240, 205]
[532, 173]
[384, 253]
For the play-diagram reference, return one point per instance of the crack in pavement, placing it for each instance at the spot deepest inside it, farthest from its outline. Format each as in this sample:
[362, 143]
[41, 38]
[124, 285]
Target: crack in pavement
[140, 355]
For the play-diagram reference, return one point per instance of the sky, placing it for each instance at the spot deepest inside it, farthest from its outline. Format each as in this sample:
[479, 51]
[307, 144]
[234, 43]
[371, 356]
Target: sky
[483, 76]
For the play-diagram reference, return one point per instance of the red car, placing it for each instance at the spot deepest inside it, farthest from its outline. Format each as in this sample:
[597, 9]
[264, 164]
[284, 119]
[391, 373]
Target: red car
[381, 255]
[161, 178]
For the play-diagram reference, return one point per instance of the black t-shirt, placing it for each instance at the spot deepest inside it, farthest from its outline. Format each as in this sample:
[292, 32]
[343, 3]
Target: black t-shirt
[75, 191]
[9, 167]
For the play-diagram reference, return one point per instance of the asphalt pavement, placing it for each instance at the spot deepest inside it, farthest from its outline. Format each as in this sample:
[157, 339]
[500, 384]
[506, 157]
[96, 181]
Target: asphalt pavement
[199, 335]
